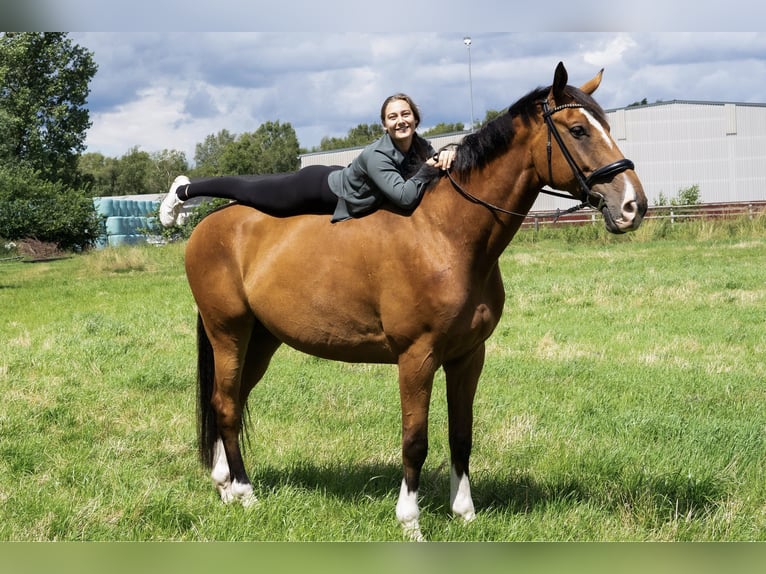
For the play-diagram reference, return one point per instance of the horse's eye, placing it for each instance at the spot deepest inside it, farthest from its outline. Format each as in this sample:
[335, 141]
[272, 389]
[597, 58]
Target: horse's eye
[577, 131]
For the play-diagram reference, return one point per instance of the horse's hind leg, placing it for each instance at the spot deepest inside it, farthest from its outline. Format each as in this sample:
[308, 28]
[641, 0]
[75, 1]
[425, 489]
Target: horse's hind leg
[237, 379]
[462, 377]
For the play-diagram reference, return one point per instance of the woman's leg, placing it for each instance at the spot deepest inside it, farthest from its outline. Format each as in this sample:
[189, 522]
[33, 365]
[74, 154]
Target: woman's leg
[304, 191]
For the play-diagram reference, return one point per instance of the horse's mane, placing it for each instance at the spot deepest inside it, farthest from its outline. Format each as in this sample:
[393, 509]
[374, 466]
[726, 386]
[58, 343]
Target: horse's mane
[479, 148]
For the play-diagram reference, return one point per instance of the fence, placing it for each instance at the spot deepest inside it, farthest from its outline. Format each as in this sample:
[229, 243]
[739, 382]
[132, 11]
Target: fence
[674, 213]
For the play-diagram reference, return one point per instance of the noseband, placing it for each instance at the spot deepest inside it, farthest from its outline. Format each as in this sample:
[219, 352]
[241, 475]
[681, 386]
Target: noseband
[605, 173]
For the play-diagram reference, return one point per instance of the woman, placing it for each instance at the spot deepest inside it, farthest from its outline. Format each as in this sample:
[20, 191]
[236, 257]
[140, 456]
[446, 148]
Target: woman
[395, 168]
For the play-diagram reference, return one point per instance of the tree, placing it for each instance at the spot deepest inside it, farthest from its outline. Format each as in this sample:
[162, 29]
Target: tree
[359, 136]
[31, 207]
[208, 154]
[166, 165]
[43, 91]
[98, 174]
[134, 173]
[272, 148]
[442, 128]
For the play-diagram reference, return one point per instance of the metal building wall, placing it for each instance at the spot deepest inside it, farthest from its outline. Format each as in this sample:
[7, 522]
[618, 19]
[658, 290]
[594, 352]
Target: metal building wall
[721, 147]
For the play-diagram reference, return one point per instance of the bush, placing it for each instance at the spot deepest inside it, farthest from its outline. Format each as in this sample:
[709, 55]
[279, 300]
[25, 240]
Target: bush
[31, 207]
[685, 196]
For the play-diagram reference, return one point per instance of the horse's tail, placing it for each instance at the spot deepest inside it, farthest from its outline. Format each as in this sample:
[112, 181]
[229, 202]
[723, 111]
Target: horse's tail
[207, 426]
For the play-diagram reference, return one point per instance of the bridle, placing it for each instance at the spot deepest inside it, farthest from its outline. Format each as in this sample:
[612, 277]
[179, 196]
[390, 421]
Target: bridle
[588, 197]
[605, 173]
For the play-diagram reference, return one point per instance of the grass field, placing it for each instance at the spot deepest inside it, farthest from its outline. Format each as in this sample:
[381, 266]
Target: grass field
[622, 399]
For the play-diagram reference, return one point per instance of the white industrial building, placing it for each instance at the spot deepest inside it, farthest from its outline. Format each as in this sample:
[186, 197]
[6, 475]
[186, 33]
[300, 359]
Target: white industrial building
[718, 146]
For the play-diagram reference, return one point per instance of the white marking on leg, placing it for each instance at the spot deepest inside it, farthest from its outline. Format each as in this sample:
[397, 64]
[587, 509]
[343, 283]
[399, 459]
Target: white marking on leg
[408, 513]
[460, 496]
[228, 489]
[220, 473]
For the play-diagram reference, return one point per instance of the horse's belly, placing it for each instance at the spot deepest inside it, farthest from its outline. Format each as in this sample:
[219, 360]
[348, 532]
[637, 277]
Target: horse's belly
[329, 331]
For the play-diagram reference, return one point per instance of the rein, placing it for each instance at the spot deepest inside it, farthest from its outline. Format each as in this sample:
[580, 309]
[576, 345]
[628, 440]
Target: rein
[492, 207]
[587, 195]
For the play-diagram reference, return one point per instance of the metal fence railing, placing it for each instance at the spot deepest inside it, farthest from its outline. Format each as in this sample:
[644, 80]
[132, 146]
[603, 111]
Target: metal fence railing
[675, 213]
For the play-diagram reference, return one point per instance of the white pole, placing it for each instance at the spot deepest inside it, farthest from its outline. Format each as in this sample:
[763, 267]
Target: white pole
[467, 42]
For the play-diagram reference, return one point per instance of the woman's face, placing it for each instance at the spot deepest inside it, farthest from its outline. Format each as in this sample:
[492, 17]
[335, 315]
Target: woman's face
[400, 123]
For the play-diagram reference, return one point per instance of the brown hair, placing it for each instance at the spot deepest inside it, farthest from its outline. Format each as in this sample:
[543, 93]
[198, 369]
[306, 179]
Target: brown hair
[406, 98]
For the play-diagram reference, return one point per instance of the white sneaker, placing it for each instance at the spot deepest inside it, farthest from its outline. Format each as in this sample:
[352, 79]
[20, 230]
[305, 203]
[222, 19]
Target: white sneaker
[171, 205]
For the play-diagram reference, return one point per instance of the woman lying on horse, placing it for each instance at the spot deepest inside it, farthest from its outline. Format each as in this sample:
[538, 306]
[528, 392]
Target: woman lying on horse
[395, 168]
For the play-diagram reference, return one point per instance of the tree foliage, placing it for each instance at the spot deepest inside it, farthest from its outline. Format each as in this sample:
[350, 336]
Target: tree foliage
[135, 173]
[443, 128]
[208, 154]
[43, 91]
[358, 136]
[272, 148]
[32, 207]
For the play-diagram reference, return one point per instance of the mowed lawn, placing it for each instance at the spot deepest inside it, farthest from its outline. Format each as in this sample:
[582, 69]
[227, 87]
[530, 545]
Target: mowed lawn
[623, 398]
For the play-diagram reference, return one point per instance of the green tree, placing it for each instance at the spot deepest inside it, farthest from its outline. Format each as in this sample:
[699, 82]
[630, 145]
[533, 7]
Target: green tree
[134, 173]
[43, 91]
[31, 206]
[359, 136]
[208, 155]
[442, 128]
[165, 166]
[99, 174]
[272, 148]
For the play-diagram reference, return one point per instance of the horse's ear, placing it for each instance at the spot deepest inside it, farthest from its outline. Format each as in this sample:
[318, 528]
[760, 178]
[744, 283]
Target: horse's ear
[560, 78]
[590, 86]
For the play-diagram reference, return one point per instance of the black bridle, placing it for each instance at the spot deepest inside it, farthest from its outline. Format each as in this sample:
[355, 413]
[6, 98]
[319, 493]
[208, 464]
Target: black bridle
[588, 197]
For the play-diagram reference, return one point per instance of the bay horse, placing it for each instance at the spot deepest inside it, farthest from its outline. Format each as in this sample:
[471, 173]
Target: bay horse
[420, 290]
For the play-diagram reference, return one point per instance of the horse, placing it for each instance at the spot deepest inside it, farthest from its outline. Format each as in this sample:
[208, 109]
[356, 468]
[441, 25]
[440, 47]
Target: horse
[420, 290]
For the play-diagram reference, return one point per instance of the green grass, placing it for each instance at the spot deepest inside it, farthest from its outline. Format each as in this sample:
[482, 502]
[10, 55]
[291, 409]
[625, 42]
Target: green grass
[622, 399]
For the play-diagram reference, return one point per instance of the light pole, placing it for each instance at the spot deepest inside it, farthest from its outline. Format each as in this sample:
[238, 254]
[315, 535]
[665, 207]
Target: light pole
[467, 42]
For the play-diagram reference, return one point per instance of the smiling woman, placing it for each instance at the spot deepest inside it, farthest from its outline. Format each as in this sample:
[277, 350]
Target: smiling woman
[394, 169]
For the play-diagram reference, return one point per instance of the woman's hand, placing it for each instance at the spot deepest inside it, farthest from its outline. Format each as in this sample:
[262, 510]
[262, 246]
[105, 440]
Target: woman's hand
[442, 159]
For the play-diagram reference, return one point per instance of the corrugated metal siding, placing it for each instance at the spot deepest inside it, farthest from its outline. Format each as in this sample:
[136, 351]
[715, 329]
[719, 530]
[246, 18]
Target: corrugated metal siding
[720, 147]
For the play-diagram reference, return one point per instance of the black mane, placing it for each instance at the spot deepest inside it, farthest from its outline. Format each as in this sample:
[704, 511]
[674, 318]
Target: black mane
[494, 138]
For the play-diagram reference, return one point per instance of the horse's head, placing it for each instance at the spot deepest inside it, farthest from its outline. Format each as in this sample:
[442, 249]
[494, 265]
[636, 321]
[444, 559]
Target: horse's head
[580, 156]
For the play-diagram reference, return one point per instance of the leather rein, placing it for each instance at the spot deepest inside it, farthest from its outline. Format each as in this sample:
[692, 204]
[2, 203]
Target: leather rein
[588, 197]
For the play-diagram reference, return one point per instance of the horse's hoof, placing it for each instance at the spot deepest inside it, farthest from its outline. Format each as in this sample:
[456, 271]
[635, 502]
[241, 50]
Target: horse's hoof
[412, 531]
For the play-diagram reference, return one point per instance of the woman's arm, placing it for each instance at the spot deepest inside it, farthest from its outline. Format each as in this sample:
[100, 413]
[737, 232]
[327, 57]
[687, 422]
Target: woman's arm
[386, 177]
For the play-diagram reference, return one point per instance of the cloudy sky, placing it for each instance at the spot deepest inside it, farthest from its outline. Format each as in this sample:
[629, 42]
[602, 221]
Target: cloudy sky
[159, 90]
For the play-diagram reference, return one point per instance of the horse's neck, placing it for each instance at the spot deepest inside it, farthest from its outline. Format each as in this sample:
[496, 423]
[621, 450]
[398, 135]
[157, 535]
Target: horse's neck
[480, 229]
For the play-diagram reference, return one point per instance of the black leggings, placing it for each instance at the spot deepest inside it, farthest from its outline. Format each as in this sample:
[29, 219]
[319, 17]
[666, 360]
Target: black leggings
[303, 191]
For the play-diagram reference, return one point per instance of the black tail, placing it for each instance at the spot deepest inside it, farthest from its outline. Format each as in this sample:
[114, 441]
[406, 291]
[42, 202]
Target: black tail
[207, 426]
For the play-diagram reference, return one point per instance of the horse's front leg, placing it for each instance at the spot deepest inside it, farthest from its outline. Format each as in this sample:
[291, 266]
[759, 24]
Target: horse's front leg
[416, 375]
[462, 377]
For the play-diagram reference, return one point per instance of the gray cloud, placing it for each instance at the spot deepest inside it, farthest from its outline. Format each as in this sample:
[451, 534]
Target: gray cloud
[168, 91]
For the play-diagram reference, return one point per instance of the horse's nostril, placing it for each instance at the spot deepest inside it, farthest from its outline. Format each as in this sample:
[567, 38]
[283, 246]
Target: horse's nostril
[629, 207]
